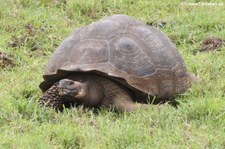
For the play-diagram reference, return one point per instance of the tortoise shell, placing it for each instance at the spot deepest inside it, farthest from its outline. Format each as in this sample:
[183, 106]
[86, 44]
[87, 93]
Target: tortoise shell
[122, 48]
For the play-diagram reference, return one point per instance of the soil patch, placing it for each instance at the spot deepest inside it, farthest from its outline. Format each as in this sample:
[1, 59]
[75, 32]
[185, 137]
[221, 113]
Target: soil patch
[6, 60]
[211, 44]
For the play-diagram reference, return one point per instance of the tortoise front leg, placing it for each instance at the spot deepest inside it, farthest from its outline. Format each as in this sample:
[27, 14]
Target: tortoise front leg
[122, 104]
[51, 98]
[119, 99]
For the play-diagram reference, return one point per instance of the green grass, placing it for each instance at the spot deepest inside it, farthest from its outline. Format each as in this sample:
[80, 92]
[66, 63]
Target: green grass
[198, 122]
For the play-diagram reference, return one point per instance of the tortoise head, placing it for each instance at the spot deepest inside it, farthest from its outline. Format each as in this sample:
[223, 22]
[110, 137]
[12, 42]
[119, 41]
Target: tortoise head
[72, 90]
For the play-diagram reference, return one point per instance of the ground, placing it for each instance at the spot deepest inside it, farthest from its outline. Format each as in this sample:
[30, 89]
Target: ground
[31, 30]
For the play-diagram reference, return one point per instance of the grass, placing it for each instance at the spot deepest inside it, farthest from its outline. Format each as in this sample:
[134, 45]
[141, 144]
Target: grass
[31, 30]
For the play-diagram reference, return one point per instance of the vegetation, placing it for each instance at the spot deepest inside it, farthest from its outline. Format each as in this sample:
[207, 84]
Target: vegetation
[31, 30]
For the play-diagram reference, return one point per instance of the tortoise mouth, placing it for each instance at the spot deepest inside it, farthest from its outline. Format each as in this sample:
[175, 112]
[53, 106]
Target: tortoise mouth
[71, 95]
[67, 92]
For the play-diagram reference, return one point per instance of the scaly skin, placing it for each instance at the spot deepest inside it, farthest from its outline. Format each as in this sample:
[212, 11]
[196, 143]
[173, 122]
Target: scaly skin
[51, 98]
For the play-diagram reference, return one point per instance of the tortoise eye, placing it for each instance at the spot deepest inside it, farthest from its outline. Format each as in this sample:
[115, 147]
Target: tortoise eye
[70, 83]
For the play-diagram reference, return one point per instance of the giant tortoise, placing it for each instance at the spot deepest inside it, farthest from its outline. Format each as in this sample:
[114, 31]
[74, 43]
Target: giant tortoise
[116, 62]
